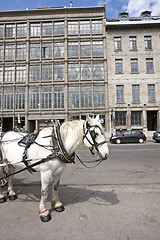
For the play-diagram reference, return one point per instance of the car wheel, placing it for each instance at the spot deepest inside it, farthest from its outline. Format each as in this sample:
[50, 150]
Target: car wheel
[118, 140]
[140, 140]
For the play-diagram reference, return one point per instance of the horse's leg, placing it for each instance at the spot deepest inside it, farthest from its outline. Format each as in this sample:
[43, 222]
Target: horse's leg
[44, 214]
[55, 203]
[11, 194]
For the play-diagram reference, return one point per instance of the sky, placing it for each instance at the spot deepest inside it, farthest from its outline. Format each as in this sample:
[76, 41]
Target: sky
[113, 7]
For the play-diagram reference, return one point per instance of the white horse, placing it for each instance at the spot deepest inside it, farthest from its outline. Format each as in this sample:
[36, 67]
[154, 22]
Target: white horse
[73, 134]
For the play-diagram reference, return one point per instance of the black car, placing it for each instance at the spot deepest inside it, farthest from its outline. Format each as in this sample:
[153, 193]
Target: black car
[129, 136]
[156, 136]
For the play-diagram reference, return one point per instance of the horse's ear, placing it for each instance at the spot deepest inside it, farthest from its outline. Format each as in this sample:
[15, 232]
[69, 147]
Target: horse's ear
[97, 118]
[88, 118]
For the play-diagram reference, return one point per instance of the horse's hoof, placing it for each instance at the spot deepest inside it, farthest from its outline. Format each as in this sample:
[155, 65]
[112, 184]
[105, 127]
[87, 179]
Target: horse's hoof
[46, 218]
[60, 209]
[13, 197]
[2, 200]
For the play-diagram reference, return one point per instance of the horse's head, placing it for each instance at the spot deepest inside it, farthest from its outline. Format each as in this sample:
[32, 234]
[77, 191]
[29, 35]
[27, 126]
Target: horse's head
[94, 137]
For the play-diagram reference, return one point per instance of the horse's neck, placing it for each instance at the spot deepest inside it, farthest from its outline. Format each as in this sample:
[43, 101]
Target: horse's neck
[72, 135]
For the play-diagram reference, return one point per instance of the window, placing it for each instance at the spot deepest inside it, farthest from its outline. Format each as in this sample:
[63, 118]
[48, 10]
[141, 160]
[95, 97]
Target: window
[148, 42]
[136, 118]
[1, 74]
[10, 52]
[120, 118]
[46, 97]
[20, 73]
[10, 30]
[151, 93]
[85, 49]
[58, 50]
[8, 98]
[73, 49]
[47, 29]
[35, 51]
[35, 29]
[0, 98]
[118, 66]
[86, 96]
[73, 100]
[1, 31]
[72, 27]
[21, 51]
[86, 71]
[98, 71]
[133, 43]
[58, 28]
[59, 72]
[46, 50]
[21, 30]
[1, 52]
[20, 97]
[135, 94]
[84, 27]
[46, 72]
[34, 73]
[73, 71]
[9, 74]
[96, 26]
[97, 48]
[34, 97]
[120, 93]
[59, 97]
[98, 92]
[134, 65]
[149, 65]
[117, 44]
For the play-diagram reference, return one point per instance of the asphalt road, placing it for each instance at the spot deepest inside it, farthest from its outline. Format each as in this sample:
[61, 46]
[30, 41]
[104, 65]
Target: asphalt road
[118, 200]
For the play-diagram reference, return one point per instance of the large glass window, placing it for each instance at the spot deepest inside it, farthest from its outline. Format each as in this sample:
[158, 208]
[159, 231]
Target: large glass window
[1, 31]
[59, 97]
[34, 73]
[0, 98]
[97, 48]
[34, 97]
[34, 50]
[20, 98]
[21, 51]
[9, 74]
[84, 27]
[148, 42]
[35, 29]
[59, 72]
[120, 118]
[10, 30]
[1, 74]
[73, 71]
[136, 118]
[86, 96]
[85, 71]
[21, 30]
[47, 29]
[120, 93]
[72, 27]
[85, 49]
[96, 26]
[135, 94]
[99, 96]
[149, 65]
[8, 98]
[72, 49]
[1, 52]
[9, 52]
[134, 65]
[151, 93]
[59, 50]
[58, 28]
[46, 50]
[46, 72]
[133, 43]
[98, 71]
[73, 100]
[20, 73]
[118, 66]
[46, 97]
[117, 44]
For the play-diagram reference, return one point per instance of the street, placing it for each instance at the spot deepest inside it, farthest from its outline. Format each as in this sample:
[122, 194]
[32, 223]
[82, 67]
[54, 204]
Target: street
[117, 200]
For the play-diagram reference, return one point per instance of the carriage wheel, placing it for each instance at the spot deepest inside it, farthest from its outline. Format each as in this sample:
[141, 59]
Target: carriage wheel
[3, 174]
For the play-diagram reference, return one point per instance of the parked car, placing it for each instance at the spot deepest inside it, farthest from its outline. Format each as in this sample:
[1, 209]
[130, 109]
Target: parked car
[156, 136]
[129, 136]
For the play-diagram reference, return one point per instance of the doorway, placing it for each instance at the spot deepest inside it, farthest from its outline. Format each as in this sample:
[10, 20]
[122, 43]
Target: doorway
[7, 124]
[152, 120]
